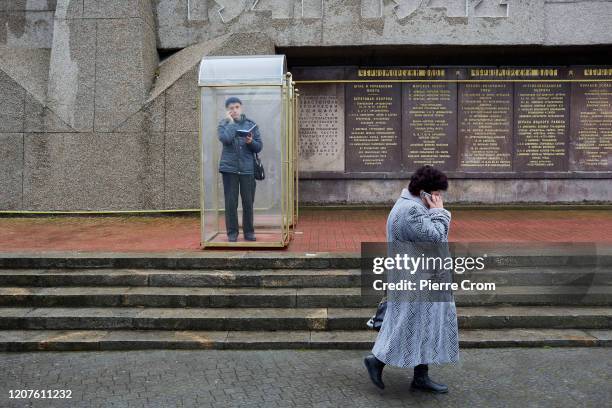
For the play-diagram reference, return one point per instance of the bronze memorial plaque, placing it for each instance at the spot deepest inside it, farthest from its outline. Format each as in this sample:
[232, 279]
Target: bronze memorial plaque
[470, 121]
[321, 120]
[541, 120]
[373, 126]
[429, 119]
[485, 122]
[591, 119]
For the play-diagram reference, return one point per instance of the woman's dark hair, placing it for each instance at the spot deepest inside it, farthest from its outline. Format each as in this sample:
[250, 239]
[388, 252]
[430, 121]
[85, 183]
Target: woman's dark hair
[427, 178]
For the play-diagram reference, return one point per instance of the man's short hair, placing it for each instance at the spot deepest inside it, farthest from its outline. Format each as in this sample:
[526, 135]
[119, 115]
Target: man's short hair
[232, 99]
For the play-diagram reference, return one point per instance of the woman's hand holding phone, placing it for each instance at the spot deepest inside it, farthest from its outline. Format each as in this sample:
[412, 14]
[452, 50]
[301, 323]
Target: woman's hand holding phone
[435, 201]
[432, 200]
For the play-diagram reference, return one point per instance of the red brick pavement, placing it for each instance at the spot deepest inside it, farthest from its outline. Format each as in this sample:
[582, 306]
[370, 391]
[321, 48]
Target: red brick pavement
[317, 230]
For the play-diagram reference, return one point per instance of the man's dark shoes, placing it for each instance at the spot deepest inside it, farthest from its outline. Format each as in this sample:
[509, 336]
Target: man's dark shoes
[375, 368]
[250, 237]
[232, 238]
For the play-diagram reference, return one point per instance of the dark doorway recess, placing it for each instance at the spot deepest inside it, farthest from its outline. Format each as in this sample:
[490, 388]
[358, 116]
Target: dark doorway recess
[167, 52]
[406, 55]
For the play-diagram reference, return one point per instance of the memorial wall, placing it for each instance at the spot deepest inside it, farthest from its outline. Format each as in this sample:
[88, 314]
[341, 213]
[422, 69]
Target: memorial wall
[473, 122]
[80, 77]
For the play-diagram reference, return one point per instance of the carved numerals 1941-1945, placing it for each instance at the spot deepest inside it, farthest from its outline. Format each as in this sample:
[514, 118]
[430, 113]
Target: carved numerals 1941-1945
[228, 10]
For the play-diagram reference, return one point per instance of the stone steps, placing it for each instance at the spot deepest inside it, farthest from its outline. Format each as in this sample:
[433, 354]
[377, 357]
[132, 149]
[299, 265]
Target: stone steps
[269, 301]
[113, 296]
[73, 340]
[258, 319]
[272, 278]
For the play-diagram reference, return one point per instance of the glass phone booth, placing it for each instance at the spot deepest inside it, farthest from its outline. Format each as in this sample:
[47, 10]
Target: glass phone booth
[247, 115]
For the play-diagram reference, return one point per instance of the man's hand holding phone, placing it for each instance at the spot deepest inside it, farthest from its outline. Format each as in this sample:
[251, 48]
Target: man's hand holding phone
[228, 115]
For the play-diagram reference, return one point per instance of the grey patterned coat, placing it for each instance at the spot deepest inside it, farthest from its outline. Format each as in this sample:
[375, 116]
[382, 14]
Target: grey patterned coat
[418, 332]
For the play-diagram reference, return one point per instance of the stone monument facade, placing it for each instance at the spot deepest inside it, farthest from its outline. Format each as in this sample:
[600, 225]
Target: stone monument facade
[99, 100]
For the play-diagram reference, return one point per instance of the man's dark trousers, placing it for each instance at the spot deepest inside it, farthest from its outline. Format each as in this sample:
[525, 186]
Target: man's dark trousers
[233, 184]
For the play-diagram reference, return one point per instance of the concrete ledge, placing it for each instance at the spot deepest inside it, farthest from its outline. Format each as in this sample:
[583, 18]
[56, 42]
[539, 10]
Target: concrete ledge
[319, 297]
[543, 191]
[182, 260]
[510, 255]
[286, 318]
[284, 278]
[267, 278]
[97, 340]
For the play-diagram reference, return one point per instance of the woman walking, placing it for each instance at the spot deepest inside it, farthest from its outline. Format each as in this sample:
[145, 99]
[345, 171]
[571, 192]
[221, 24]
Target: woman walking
[419, 331]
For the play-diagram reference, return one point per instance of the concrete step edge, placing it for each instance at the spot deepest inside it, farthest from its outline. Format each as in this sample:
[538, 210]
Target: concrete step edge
[281, 271]
[282, 297]
[254, 261]
[281, 291]
[222, 271]
[334, 312]
[313, 279]
[254, 319]
[65, 340]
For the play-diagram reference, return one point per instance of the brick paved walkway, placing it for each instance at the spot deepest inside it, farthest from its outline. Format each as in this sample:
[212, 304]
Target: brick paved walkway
[317, 231]
[484, 378]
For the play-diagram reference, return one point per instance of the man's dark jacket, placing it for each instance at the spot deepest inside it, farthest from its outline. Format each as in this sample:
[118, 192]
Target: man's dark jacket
[237, 156]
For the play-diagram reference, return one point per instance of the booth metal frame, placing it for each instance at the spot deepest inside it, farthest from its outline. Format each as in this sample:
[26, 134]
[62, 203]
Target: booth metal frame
[289, 154]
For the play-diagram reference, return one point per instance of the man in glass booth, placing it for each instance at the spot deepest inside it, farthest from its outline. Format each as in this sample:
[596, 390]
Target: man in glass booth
[241, 141]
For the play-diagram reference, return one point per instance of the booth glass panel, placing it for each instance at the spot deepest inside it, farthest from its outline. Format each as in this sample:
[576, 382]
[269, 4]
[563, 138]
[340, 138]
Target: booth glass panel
[263, 105]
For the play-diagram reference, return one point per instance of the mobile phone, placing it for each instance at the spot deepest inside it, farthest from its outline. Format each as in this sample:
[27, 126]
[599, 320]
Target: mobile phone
[425, 195]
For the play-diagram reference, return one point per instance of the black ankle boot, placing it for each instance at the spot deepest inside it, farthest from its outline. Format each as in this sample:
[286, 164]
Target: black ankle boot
[375, 368]
[421, 381]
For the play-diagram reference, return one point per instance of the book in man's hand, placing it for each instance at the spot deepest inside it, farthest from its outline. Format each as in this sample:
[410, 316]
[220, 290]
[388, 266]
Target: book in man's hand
[245, 133]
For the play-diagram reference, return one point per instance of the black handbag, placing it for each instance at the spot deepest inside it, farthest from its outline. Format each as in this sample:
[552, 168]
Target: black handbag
[258, 169]
[376, 321]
